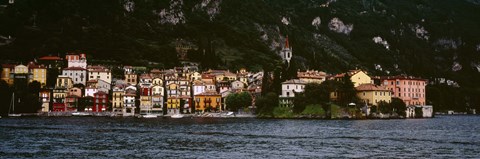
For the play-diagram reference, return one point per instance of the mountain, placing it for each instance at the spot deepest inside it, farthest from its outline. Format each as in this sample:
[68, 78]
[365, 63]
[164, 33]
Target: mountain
[426, 38]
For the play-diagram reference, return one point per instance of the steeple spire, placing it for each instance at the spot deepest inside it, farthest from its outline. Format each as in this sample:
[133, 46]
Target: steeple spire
[286, 42]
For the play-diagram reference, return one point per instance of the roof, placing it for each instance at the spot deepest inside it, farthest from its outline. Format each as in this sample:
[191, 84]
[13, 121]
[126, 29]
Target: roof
[402, 77]
[209, 93]
[294, 81]
[350, 73]
[145, 76]
[75, 69]
[50, 58]
[8, 66]
[198, 82]
[98, 68]
[155, 71]
[370, 87]
[311, 74]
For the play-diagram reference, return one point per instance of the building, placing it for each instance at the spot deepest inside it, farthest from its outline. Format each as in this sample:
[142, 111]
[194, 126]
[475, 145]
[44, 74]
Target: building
[99, 73]
[76, 60]
[38, 73]
[208, 101]
[357, 77]
[372, 94]
[157, 98]
[145, 99]
[60, 93]
[198, 87]
[196, 76]
[286, 52]
[77, 74]
[100, 101]
[129, 101]
[44, 97]
[409, 89]
[289, 88]
[130, 76]
[118, 93]
[71, 103]
[312, 76]
[237, 85]
[51, 62]
[8, 70]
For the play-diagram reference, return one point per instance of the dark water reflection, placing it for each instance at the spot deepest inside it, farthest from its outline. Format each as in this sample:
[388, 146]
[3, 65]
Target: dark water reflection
[441, 137]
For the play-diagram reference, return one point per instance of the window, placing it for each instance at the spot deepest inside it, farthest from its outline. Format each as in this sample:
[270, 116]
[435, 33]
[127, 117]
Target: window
[288, 94]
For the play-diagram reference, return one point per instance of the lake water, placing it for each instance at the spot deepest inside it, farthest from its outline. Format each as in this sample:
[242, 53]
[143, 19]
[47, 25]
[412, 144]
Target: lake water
[97, 137]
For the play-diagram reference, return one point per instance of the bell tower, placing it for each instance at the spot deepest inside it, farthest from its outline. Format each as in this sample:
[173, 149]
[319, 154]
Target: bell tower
[286, 52]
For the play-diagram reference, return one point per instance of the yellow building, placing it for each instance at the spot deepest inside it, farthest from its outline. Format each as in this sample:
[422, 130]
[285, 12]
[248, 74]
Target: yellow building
[208, 99]
[358, 77]
[39, 74]
[372, 94]
[173, 104]
[131, 78]
[117, 99]
[7, 70]
[64, 82]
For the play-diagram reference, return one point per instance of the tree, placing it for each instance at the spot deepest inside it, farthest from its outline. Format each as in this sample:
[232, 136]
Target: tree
[384, 107]
[244, 99]
[300, 101]
[347, 92]
[399, 106]
[232, 102]
[5, 96]
[266, 104]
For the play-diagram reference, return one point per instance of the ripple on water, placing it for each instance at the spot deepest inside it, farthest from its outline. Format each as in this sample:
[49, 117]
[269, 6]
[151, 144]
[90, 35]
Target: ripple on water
[90, 137]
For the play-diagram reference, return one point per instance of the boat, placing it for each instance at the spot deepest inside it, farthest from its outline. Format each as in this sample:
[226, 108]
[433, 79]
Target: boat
[149, 115]
[11, 110]
[177, 116]
[80, 114]
[229, 113]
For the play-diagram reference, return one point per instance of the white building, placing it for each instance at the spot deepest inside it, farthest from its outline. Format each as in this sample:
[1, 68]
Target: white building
[198, 87]
[75, 60]
[236, 85]
[289, 88]
[77, 74]
[99, 72]
[196, 76]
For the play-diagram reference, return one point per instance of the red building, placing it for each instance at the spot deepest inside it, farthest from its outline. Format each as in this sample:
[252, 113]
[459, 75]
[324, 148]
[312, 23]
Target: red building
[410, 89]
[71, 102]
[100, 101]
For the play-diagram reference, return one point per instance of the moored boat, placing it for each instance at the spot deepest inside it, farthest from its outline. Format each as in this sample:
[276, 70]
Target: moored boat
[177, 116]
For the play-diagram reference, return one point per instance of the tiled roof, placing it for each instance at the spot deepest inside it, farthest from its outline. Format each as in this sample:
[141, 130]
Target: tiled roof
[371, 87]
[52, 58]
[294, 81]
[75, 68]
[400, 77]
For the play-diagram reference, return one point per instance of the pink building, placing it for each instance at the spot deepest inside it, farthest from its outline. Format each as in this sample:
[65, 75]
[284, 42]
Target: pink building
[410, 89]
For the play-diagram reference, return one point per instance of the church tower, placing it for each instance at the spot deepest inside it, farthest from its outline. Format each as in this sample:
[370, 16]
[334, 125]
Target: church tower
[286, 52]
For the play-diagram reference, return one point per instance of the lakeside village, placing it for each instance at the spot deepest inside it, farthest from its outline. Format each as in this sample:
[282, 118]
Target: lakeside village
[82, 89]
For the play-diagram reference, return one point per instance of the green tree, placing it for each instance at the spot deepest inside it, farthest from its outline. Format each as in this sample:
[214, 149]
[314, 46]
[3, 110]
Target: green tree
[266, 104]
[244, 100]
[300, 101]
[384, 107]
[232, 101]
[347, 92]
[399, 106]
